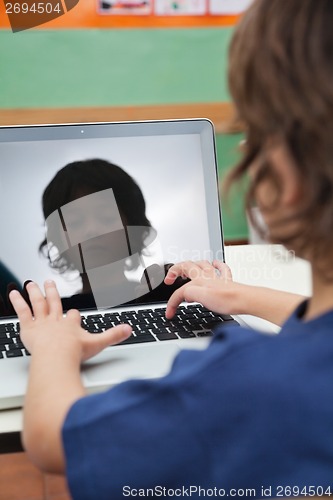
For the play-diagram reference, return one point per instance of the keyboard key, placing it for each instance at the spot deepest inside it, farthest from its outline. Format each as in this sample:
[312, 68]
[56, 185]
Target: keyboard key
[14, 353]
[226, 317]
[94, 328]
[204, 333]
[185, 335]
[138, 340]
[166, 336]
[13, 346]
[177, 329]
[142, 332]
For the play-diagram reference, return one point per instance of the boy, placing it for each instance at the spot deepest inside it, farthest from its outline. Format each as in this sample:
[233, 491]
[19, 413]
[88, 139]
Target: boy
[251, 412]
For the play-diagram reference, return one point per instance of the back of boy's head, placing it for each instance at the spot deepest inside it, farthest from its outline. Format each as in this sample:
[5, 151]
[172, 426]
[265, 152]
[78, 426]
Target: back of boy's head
[281, 79]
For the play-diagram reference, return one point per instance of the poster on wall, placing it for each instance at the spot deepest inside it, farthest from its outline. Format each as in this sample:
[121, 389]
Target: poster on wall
[125, 7]
[225, 7]
[182, 7]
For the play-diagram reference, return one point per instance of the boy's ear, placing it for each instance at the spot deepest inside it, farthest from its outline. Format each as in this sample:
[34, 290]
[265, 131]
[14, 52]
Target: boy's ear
[286, 170]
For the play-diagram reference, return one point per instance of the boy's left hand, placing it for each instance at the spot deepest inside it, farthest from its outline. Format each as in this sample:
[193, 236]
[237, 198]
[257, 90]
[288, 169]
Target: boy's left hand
[46, 325]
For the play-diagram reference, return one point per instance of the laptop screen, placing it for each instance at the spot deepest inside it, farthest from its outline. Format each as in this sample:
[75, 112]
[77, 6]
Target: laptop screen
[104, 209]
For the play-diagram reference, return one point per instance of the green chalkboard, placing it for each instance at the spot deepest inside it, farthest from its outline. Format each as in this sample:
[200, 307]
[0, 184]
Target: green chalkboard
[233, 212]
[74, 68]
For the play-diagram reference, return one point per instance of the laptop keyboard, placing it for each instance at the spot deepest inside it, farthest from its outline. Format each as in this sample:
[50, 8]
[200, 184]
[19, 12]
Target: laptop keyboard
[149, 325]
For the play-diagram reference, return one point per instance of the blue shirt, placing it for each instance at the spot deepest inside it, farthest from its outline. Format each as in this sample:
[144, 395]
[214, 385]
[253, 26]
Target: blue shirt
[252, 412]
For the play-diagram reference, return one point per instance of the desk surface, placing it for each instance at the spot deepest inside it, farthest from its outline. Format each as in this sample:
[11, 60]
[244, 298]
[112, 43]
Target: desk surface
[262, 265]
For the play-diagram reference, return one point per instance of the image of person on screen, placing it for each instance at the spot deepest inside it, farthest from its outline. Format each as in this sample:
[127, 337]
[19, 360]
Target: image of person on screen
[97, 228]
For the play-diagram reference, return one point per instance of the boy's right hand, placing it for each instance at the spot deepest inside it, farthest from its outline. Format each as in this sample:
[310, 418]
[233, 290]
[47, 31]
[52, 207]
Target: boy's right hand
[211, 285]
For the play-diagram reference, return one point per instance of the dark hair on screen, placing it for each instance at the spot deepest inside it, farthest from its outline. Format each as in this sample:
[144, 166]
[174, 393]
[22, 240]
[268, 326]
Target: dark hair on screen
[281, 80]
[81, 178]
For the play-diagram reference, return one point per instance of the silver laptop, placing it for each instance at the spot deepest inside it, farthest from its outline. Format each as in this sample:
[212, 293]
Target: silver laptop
[104, 209]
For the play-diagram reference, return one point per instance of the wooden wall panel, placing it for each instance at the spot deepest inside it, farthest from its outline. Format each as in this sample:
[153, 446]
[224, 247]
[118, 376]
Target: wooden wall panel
[221, 114]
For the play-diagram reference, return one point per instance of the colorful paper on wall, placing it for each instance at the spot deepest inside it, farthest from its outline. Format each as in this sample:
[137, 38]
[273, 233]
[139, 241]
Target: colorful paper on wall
[131, 7]
[173, 7]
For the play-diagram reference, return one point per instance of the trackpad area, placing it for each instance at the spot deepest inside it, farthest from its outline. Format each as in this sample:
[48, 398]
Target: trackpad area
[120, 363]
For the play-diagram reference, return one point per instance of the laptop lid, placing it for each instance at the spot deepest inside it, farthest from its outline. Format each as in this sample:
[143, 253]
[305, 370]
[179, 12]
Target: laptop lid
[164, 209]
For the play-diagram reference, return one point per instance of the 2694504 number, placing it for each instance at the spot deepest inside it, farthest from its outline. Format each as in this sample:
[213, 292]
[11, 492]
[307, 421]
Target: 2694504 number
[309, 491]
[34, 8]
